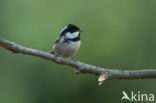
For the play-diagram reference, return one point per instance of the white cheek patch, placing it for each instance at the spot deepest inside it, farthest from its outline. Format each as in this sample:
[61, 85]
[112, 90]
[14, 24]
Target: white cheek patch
[72, 35]
[63, 29]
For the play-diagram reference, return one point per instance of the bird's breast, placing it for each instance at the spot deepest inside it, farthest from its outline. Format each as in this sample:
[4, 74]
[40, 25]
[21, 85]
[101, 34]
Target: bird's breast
[67, 49]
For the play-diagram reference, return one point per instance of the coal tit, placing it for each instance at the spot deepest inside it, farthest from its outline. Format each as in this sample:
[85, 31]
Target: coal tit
[68, 42]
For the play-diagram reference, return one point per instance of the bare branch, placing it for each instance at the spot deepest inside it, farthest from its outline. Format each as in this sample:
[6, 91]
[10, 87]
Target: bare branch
[81, 67]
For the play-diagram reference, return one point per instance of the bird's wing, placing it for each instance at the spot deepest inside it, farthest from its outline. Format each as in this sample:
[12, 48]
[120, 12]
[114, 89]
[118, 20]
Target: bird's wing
[57, 40]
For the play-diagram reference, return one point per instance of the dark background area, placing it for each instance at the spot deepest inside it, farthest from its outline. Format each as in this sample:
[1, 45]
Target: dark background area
[118, 34]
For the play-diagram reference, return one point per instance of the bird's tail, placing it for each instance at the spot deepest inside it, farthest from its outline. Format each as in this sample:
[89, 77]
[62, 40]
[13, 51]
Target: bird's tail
[51, 52]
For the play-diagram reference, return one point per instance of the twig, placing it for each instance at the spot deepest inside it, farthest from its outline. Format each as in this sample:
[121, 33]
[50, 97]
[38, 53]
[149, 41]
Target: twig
[81, 67]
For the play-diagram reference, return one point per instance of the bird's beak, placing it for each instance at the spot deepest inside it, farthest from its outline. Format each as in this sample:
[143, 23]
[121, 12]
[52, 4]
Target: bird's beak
[81, 30]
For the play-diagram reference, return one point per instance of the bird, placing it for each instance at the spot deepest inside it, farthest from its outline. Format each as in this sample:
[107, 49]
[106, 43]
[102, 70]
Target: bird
[68, 42]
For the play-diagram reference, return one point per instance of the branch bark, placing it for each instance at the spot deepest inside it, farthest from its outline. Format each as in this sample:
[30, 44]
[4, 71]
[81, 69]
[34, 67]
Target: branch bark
[80, 67]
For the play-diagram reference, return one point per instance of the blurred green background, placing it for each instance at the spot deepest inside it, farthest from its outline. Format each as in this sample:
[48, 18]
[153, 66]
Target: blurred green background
[118, 34]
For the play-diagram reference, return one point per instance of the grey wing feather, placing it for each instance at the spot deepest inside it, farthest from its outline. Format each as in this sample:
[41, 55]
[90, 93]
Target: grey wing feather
[57, 40]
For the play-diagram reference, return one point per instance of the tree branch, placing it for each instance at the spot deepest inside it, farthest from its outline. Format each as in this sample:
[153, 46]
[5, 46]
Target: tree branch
[105, 74]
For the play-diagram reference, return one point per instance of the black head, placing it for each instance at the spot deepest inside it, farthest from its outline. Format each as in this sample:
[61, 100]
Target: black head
[69, 28]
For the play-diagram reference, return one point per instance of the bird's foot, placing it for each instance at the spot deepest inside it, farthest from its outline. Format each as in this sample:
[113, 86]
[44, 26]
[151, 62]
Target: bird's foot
[73, 59]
